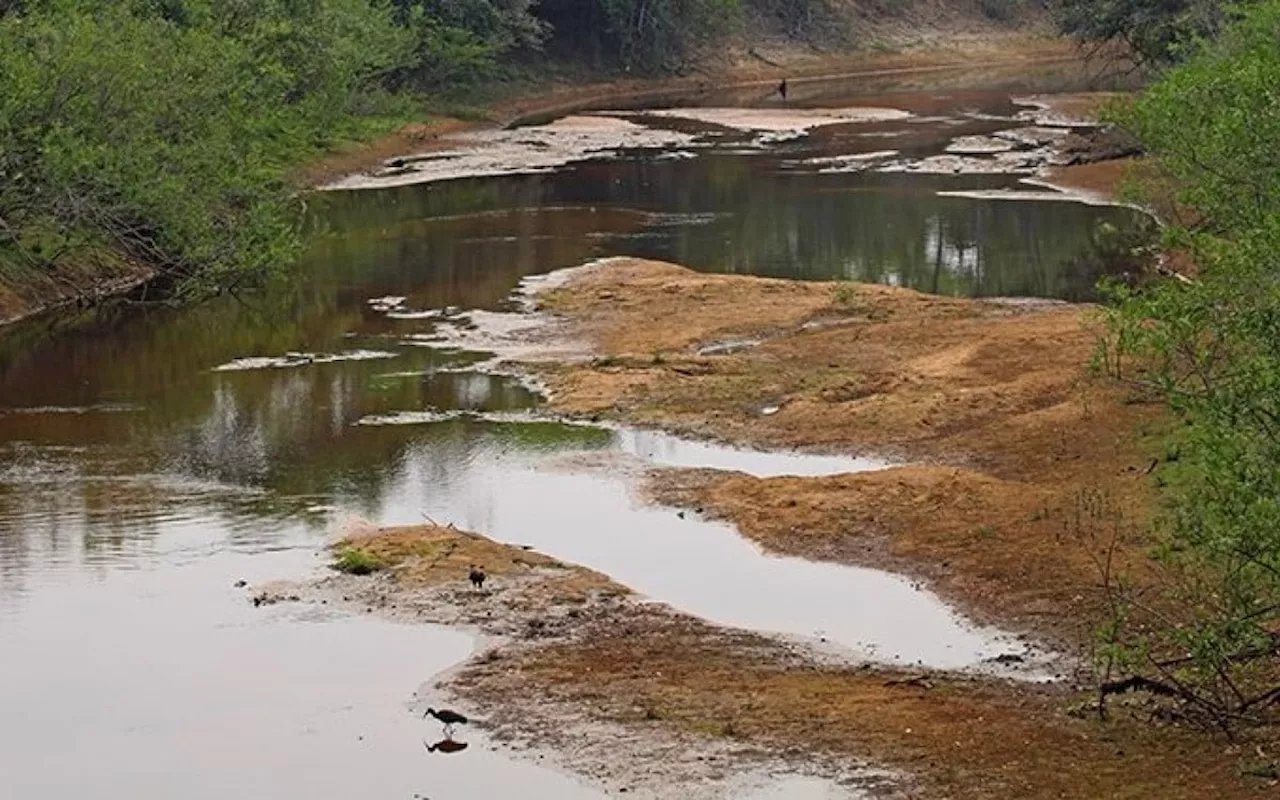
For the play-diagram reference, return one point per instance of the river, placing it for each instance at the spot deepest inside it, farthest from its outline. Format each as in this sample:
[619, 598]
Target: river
[152, 458]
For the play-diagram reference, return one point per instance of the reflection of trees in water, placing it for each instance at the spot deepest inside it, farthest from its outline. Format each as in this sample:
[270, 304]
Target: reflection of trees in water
[889, 229]
[289, 434]
[254, 450]
[60, 507]
[868, 226]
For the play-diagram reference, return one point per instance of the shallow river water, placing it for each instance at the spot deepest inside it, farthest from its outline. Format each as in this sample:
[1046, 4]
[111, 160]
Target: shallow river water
[151, 458]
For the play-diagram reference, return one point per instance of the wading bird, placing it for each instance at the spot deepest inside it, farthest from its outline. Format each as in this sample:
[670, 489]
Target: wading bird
[449, 718]
[477, 577]
[782, 89]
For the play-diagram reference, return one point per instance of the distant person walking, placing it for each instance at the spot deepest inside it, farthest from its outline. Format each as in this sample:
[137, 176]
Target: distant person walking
[782, 89]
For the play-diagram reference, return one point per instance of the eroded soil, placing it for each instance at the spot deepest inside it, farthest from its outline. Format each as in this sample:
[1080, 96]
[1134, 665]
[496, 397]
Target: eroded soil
[1017, 465]
[1009, 442]
[659, 704]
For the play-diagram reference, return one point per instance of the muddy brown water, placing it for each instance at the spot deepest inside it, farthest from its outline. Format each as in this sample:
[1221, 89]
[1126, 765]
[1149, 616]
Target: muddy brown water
[138, 481]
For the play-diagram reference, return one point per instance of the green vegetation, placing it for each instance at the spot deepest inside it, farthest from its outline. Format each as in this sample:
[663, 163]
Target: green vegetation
[1210, 348]
[163, 131]
[354, 561]
[1152, 32]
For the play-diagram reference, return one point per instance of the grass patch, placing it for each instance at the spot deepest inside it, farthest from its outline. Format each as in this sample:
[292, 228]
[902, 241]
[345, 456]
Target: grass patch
[353, 561]
[844, 294]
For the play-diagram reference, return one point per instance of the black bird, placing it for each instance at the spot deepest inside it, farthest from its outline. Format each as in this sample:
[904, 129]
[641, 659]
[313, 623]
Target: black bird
[782, 89]
[449, 718]
[477, 577]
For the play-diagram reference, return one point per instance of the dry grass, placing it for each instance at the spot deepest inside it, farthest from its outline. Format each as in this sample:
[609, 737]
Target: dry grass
[432, 555]
[990, 404]
[956, 738]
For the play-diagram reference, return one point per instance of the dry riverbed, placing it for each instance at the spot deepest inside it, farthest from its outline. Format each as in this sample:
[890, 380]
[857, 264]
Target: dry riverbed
[1013, 457]
[1007, 441]
[1015, 468]
[657, 704]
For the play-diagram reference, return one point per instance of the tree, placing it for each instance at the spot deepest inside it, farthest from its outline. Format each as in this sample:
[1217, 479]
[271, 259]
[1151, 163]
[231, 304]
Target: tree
[1209, 633]
[162, 128]
[1152, 32]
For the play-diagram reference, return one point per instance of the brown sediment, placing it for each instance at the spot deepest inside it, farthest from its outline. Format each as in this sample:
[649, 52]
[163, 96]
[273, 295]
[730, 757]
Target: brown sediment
[27, 293]
[1013, 445]
[1075, 107]
[1103, 161]
[945, 736]
[434, 557]
[1104, 180]
[642, 697]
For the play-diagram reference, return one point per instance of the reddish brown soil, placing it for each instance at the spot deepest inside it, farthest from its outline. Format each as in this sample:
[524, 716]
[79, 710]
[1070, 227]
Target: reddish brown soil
[1011, 440]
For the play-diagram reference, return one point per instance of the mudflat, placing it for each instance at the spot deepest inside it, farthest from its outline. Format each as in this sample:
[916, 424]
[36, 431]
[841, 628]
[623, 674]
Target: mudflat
[1016, 464]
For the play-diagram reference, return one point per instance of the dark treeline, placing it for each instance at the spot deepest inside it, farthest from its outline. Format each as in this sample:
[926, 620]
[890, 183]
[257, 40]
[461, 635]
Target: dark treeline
[1151, 33]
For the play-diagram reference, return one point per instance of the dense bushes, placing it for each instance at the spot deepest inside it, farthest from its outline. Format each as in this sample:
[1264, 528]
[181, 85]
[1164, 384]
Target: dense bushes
[461, 40]
[637, 35]
[1210, 348]
[164, 127]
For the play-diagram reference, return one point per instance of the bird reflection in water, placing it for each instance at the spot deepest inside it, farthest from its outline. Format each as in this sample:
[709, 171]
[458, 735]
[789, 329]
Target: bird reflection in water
[445, 745]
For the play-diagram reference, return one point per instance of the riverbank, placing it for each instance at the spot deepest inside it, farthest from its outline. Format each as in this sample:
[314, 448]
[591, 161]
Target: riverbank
[654, 703]
[1020, 470]
[988, 403]
[88, 280]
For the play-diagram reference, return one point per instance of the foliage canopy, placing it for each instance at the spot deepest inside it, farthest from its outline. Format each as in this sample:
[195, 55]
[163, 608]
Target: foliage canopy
[1152, 32]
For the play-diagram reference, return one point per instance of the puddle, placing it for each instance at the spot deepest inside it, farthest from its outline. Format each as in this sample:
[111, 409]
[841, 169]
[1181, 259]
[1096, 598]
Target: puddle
[728, 348]
[801, 788]
[492, 478]
[665, 450]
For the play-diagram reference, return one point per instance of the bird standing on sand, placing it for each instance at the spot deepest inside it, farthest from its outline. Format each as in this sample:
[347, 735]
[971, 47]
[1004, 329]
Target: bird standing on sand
[449, 718]
[782, 89]
[476, 577]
